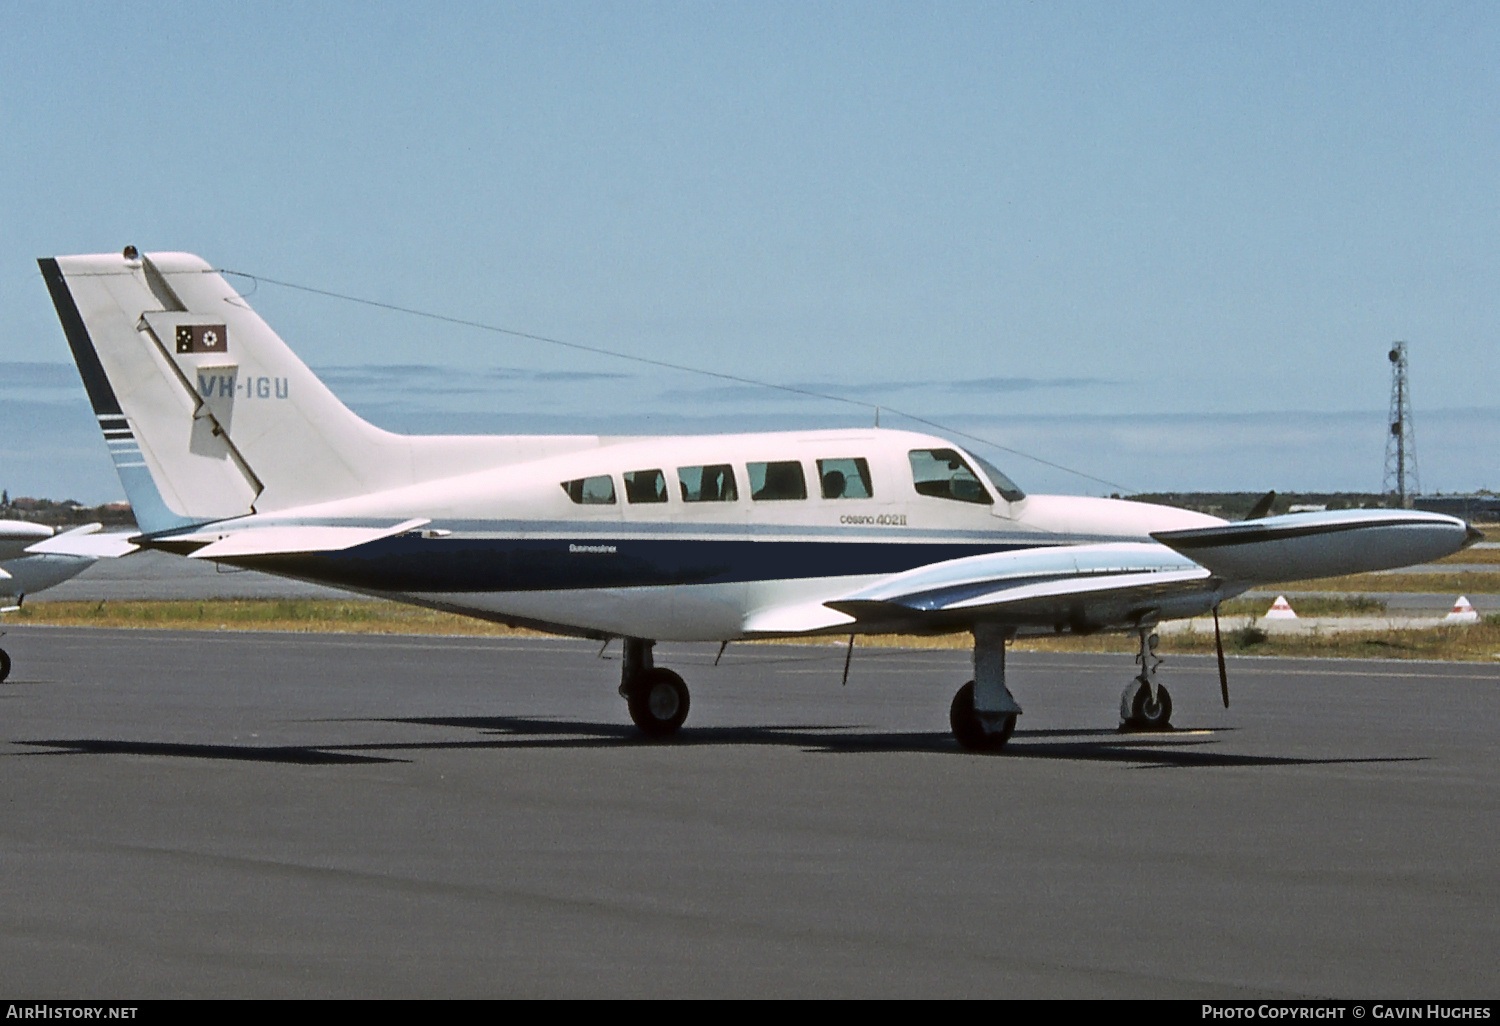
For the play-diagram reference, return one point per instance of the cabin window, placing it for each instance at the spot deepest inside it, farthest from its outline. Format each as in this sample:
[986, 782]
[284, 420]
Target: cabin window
[1004, 485]
[943, 474]
[646, 486]
[591, 491]
[777, 480]
[713, 483]
[845, 479]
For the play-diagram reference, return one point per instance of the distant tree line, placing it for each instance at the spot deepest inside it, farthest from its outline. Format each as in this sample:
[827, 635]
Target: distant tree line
[64, 513]
[1482, 506]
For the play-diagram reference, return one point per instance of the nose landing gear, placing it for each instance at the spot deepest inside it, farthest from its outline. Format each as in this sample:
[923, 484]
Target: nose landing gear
[1145, 705]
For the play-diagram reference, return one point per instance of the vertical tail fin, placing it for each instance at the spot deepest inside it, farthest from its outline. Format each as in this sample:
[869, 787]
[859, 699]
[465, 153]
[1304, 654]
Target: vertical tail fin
[198, 396]
[172, 478]
[208, 414]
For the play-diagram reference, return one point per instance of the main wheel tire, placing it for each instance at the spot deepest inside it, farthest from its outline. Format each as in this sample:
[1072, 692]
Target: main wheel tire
[1148, 715]
[658, 701]
[4, 664]
[969, 729]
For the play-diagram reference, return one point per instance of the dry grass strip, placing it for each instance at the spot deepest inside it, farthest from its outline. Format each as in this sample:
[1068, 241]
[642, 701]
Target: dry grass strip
[1478, 642]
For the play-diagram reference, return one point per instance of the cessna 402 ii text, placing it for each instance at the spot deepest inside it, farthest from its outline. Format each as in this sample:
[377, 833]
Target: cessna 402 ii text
[231, 450]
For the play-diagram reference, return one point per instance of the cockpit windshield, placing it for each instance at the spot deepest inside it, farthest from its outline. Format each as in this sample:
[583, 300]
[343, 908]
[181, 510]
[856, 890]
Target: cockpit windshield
[1004, 485]
[943, 474]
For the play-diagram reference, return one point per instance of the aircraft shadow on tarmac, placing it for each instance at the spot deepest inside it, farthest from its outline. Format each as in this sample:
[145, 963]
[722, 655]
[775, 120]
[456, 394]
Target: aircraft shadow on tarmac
[297, 755]
[1168, 749]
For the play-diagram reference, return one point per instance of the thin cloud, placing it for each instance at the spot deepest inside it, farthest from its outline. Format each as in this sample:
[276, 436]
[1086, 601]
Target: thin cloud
[432, 380]
[875, 391]
[33, 377]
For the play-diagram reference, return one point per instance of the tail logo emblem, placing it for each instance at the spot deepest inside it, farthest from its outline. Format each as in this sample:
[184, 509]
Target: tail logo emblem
[202, 338]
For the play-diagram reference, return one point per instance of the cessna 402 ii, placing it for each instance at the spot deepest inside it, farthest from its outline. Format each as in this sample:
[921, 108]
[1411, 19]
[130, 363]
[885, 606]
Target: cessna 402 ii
[231, 450]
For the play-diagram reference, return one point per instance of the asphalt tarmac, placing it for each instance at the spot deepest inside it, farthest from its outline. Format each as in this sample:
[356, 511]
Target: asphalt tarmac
[224, 814]
[161, 576]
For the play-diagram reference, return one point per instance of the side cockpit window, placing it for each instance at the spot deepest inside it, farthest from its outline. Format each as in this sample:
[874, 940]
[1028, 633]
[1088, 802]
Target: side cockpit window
[777, 480]
[845, 479]
[712, 483]
[591, 491]
[943, 474]
[645, 486]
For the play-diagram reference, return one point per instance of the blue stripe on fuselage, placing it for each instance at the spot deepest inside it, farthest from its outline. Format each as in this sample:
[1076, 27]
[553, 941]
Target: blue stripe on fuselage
[414, 564]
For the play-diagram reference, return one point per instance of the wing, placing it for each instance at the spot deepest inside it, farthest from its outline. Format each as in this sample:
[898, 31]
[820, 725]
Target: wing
[15, 535]
[1120, 586]
[1084, 588]
[1299, 546]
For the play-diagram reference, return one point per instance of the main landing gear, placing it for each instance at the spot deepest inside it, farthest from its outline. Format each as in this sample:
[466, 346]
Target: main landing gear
[1145, 705]
[983, 714]
[656, 697]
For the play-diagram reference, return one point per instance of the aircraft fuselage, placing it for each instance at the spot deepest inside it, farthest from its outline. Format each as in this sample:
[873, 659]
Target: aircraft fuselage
[691, 538]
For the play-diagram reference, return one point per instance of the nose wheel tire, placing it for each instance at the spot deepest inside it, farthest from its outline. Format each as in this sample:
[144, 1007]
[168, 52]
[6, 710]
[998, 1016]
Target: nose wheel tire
[1146, 714]
[971, 732]
[658, 701]
[4, 664]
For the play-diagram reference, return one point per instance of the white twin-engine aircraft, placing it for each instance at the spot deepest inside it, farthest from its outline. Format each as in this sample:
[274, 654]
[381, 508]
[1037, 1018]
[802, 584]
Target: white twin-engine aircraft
[231, 450]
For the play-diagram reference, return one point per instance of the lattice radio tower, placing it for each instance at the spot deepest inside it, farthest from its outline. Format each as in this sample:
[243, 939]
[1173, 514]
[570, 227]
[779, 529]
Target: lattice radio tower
[1401, 480]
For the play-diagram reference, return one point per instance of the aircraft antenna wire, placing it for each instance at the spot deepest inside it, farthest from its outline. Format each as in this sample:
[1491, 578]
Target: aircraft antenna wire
[668, 365]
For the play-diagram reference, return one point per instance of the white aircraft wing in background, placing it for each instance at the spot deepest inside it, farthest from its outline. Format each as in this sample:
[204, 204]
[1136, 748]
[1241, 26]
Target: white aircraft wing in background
[34, 556]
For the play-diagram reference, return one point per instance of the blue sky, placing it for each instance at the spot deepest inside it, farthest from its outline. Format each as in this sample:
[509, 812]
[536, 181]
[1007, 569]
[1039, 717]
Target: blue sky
[1165, 244]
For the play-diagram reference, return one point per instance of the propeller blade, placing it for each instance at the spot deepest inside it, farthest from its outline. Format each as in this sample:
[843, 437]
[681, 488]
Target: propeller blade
[849, 655]
[1261, 507]
[1219, 648]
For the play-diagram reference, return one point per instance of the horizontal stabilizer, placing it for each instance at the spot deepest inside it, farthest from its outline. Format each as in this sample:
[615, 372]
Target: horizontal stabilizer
[4, 576]
[1299, 546]
[284, 540]
[87, 542]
